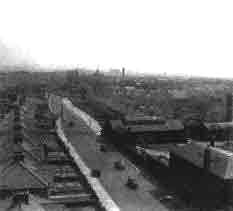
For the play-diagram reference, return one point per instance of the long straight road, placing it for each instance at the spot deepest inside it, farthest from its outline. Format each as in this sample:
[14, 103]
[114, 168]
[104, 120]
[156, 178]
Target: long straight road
[145, 198]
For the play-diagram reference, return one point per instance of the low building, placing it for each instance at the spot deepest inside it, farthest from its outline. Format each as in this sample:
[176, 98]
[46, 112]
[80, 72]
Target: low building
[209, 168]
[145, 130]
[18, 175]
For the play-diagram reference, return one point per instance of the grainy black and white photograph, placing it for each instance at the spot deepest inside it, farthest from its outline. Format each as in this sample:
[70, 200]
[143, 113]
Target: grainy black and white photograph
[116, 105]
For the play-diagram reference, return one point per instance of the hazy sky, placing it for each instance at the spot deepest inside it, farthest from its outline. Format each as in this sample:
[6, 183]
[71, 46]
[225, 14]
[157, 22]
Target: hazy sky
[176, 36]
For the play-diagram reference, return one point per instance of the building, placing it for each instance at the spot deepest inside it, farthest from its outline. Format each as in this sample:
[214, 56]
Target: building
[17, 175]
[209, 168]
[145, 130]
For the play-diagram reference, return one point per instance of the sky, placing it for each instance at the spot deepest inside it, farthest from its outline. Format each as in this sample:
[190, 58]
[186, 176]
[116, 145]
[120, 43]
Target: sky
[147, 36]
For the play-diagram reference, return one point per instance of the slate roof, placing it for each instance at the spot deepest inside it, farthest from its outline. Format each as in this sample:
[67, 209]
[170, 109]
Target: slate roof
[19, 175]
[221, 160]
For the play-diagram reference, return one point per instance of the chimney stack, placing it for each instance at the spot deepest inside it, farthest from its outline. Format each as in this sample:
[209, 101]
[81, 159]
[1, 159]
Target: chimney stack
[123, 73]
[228, 103]
[228, 115]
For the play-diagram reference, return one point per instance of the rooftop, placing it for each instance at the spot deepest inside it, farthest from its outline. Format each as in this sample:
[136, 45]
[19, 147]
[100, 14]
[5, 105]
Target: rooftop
[128, 120]
[19, 175]
[168, 125]
[222, 160]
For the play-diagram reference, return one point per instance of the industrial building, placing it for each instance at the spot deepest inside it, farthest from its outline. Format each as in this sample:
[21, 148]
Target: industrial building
[145, 130]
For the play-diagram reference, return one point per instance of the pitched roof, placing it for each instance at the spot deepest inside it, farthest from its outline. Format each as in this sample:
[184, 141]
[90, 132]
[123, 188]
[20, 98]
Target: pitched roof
[18, 175]
[221, 160]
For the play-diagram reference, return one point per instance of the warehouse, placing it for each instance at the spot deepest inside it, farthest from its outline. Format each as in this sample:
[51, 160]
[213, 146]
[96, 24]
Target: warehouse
[209, 168]
[145, 130]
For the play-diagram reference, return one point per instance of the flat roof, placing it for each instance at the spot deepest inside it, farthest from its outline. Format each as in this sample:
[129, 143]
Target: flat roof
[169, 125]
[143, 119]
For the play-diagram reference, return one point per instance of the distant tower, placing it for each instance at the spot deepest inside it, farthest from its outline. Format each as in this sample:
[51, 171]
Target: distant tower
[77, 72]
[228, 103]
[97, 72]
[228, 115]
[123, 73]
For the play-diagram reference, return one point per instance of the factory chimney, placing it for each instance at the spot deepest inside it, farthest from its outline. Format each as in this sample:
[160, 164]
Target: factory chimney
[228, 115]
[123, 73]
[228, 111]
